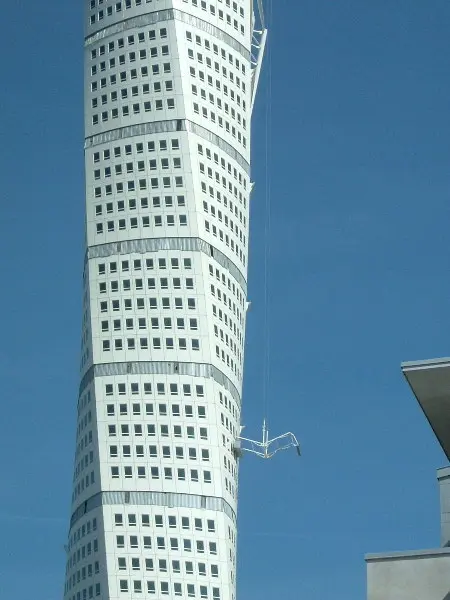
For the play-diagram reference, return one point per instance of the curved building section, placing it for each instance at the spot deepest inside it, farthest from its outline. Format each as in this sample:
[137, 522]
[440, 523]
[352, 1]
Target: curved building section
[167, 146]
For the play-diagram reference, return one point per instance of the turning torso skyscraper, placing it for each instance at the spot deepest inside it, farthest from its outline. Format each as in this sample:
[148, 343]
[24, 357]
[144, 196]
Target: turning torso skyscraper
[169, 87]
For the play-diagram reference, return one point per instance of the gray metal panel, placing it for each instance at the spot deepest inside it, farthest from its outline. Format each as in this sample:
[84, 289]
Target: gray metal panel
[143, 245]
[159, 368]
[169, 14]
[168, 499]
[430, 382]
[121, 133]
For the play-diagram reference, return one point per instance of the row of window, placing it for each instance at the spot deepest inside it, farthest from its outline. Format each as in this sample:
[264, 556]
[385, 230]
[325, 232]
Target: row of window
[222, 355]
[157, 202]
[213, 100]
[213, 156]
[229, 466]
[141, 323]
[148, 408]
[83, 438]
[87, 549]
[172, 220]
[86, 459]
[135, 542]
[172, 522]
[119, 169]
[157, 343]
[136, 409]
[163, 411]
[217, 101]
[228, 341]
[161, 389]
[211, 115]
[117, 7]
[220, 86]
[166, 473]
[221, 179]
[83, 441]
[133, 223]
[156, 70]
[228, 304]
[85, 593]
[150, 264]
[223, 17]
[145, 343]
[127, 4]
[157, 472]
[152, 303]
[136, 585]
[169, 344]
[164, 589]
[153, 451]
[175, 263]
[134, 109]
[225, 238]
[222, 295]
[148, 564]
[236, 330]
[227, 74]
[235, 230]
[221, 277]
[221, 197]
[84, 421]
[217, 195]
[151, 430]
[223, 53]
[132, 185]
[152, 283]
[229, 405]
[165, 451]
[83, 464]
[211, 209]
[142, 54]
[84, 483]
[82, 531]
[127, 150]
[163, 147]
[130, 40]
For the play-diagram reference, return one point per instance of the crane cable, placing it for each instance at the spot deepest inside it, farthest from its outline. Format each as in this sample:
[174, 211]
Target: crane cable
[267, 221]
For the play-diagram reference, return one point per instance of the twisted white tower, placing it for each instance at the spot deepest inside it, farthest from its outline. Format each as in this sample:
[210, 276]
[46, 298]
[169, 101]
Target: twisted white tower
[169, 88]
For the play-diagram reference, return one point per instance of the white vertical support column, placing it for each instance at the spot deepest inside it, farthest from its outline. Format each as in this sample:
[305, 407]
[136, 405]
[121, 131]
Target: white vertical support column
[258, 65]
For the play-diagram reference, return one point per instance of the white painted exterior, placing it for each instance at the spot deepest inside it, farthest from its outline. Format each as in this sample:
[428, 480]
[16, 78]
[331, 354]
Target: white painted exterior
[409, 575]
[168, 94]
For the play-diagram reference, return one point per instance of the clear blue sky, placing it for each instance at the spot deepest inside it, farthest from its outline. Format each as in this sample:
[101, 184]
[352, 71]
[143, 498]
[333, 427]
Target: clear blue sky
[358, 278]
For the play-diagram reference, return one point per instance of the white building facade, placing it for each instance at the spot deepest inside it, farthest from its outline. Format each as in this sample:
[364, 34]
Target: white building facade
[169, 87]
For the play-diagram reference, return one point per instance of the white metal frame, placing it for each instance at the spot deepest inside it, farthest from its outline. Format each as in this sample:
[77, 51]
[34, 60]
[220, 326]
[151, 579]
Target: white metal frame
[267, 447]
[259, 38]
[258, 45]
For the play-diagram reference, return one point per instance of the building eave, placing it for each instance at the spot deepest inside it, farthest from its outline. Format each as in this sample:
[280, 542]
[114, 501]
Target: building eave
[429, 381]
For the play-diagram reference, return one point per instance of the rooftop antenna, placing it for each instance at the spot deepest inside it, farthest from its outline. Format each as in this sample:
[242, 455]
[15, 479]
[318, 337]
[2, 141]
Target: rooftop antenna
[265, 448]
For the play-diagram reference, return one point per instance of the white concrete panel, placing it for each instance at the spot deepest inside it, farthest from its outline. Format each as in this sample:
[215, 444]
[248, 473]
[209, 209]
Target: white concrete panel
[418, 576]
